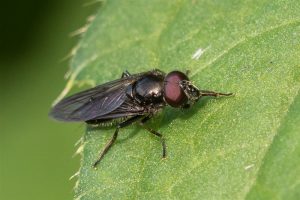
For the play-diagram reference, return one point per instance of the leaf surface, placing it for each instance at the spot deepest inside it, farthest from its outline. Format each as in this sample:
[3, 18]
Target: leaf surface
[226, 148]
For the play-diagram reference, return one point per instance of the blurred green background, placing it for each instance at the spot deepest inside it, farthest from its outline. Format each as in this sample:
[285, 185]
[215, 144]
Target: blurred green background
[36, 152]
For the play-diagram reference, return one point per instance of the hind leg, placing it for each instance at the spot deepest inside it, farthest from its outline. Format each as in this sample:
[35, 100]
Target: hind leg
[114, 137]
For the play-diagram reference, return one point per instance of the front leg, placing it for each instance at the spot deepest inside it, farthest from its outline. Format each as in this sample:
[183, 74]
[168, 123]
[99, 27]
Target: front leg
[125, 74]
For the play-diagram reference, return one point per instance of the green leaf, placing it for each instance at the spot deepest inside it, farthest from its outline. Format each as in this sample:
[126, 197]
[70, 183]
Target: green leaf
[242, 147]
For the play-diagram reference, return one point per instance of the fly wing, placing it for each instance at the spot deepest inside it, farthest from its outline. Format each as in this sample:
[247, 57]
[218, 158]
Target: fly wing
[95, 102]
[127, 108]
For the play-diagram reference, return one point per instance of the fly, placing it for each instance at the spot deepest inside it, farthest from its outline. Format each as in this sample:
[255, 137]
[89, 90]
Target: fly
[132, 98]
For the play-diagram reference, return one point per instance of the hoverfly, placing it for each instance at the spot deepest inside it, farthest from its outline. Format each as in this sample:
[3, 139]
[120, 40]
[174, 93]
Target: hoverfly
[132, 98]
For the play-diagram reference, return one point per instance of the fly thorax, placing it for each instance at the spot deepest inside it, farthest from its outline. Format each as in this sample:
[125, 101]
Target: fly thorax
[149, 90]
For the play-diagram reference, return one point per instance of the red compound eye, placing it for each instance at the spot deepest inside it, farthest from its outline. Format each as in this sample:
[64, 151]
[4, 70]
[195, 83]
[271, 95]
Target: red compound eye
[173, 93]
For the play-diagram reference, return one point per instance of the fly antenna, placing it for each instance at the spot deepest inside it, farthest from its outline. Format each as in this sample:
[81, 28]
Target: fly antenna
[213, 94]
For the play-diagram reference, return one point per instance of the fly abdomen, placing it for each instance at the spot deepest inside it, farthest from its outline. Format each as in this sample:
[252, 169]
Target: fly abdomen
[105, 122]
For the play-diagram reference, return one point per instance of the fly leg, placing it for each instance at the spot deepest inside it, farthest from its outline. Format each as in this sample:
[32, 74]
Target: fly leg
[114, 137]
[125, 74]
[163, 143]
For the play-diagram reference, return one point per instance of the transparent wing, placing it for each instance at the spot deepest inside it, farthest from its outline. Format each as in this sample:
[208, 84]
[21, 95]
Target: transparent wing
[95, 102]
[127, 108]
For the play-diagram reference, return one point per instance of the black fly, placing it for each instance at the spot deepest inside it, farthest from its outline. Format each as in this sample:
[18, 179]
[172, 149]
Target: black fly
[130, 99]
